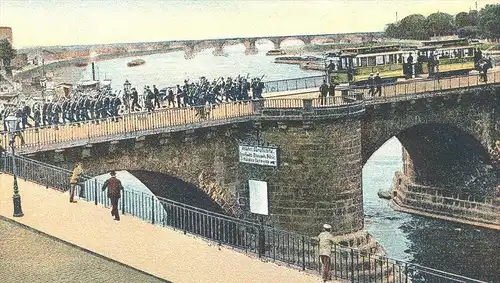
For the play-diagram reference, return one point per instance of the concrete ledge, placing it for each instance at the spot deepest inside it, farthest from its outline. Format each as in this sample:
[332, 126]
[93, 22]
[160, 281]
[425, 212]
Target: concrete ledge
[432, 214]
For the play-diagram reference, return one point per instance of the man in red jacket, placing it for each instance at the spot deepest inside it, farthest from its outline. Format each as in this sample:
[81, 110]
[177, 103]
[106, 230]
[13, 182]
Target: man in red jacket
[114, 193]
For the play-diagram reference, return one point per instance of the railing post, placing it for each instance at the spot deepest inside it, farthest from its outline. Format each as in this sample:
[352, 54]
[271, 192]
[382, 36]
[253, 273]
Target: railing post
[123, 202]
[152, 209]
[95, 191]
[406, 272]
[303, 253]
[352, 265]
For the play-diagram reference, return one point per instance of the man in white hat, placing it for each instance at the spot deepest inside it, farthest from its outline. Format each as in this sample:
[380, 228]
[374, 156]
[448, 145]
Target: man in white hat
[326, 242]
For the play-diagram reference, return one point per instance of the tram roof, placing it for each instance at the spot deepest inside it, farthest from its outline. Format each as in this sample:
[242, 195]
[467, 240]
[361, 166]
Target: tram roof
[370, 49]
[447, 42]
[351, 54]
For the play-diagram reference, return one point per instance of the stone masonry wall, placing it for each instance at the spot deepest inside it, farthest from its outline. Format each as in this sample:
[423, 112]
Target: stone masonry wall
[319, 177]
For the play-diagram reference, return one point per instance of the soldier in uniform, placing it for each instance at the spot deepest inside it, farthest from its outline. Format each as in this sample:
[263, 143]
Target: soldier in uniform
[170, 97]
[135, 97]
[36, 115]
[44, 113]
[179, 95]
[65, 114]
[26, 112]
[156, 97]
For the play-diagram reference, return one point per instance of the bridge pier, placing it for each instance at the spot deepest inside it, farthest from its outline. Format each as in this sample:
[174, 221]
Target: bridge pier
[219, 49]
[250, 48]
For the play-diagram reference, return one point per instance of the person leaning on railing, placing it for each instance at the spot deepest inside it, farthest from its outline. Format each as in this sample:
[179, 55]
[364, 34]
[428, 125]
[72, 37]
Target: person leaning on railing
[326, 241]
[74, 180]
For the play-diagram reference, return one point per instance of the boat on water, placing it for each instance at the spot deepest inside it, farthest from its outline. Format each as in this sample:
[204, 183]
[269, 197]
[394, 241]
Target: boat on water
[81, 64]
[136, 62]
[275, 52]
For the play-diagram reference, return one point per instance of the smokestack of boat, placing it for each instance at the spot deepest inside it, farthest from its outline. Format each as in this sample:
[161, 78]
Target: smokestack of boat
[93, 71]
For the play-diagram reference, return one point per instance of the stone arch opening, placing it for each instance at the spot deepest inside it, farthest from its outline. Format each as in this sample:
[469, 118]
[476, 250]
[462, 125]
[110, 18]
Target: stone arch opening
[292, 42]
[447, 157]
[176, 189]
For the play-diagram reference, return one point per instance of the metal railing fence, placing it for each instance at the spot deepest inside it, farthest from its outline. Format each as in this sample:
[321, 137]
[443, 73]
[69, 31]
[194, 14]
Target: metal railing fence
[421, 86]
[267, 241]
[129, 124]
[293, 84]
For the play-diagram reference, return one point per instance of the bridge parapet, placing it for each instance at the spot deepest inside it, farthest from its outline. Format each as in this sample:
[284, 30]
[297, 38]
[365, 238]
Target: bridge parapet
[136, 125]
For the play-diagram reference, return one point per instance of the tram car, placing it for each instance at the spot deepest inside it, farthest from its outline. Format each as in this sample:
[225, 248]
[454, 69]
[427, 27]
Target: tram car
[392, 62]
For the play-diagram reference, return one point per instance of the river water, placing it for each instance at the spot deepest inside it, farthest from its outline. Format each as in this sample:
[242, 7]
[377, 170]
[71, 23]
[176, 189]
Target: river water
[456, 248]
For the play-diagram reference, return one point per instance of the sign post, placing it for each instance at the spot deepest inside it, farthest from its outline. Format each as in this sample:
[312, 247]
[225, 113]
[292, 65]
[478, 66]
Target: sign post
[259, 205]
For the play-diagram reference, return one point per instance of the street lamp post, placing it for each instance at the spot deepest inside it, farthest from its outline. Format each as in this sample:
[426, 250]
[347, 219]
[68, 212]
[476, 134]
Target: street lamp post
[12, 123]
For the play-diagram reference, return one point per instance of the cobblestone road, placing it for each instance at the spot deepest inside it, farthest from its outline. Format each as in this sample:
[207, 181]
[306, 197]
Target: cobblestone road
[27, 256]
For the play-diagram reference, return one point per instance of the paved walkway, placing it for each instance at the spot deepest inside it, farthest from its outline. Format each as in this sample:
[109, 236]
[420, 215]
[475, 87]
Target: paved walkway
[23, 258]
[159, 251]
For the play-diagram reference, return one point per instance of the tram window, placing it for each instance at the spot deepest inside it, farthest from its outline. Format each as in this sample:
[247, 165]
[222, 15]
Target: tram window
[364, 62]
[389, 59]
[372, 61]
[355, 62]
[380, 60]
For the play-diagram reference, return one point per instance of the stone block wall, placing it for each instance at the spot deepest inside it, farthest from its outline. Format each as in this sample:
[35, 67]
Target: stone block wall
[319, 175]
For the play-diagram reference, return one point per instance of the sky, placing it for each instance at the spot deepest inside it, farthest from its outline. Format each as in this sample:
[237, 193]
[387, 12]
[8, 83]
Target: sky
[73, 22]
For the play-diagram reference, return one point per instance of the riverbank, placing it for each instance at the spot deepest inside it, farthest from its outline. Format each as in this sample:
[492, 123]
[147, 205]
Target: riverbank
[65, 71]
[427, 201]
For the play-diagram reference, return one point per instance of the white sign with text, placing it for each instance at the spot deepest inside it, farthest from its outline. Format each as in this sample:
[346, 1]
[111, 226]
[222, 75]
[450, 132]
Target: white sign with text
[258, 155]
[258, 197]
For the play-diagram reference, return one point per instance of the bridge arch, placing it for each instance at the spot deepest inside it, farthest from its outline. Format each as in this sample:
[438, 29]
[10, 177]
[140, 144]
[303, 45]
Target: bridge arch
[444, 155]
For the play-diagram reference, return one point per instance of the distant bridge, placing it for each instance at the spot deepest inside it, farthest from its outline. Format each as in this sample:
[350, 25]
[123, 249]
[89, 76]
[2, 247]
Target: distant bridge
[191, 47]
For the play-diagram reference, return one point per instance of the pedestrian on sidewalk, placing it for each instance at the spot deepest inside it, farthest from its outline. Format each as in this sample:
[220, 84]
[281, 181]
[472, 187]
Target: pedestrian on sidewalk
[74, 180]
[114, 187]
[326, 242]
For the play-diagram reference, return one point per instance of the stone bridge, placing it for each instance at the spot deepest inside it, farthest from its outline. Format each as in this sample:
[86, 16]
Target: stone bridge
[448, 128]
[191, 47]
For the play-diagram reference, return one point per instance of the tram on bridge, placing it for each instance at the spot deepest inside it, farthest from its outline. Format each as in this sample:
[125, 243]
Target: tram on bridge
[438, 58]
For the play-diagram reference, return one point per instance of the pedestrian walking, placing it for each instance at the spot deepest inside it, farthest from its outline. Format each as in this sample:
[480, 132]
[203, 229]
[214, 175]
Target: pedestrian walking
[378, 84]
[323, 92]
[74, 180]
[326, 242]
[114, 186]
[371, 85]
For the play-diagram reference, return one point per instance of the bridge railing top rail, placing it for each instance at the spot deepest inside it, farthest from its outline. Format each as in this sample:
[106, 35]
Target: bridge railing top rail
[299, 250]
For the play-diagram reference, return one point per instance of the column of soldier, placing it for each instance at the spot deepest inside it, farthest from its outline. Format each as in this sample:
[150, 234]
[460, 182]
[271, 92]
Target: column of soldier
[93, 105]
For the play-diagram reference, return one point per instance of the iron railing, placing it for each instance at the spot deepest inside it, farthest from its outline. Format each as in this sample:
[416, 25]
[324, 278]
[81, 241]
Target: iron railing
[293, 84]
[428, 86]
[267, 241]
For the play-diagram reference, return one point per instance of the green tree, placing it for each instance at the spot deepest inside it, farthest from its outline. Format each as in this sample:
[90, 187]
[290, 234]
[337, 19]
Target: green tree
[474, 18]
[489, 21]
[7, 53]
[413, 27]
[392, 31]
[440, 24]
[462, 19]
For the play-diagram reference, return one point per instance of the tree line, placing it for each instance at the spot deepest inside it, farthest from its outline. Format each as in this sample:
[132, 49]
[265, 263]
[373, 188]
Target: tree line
[474, 24]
